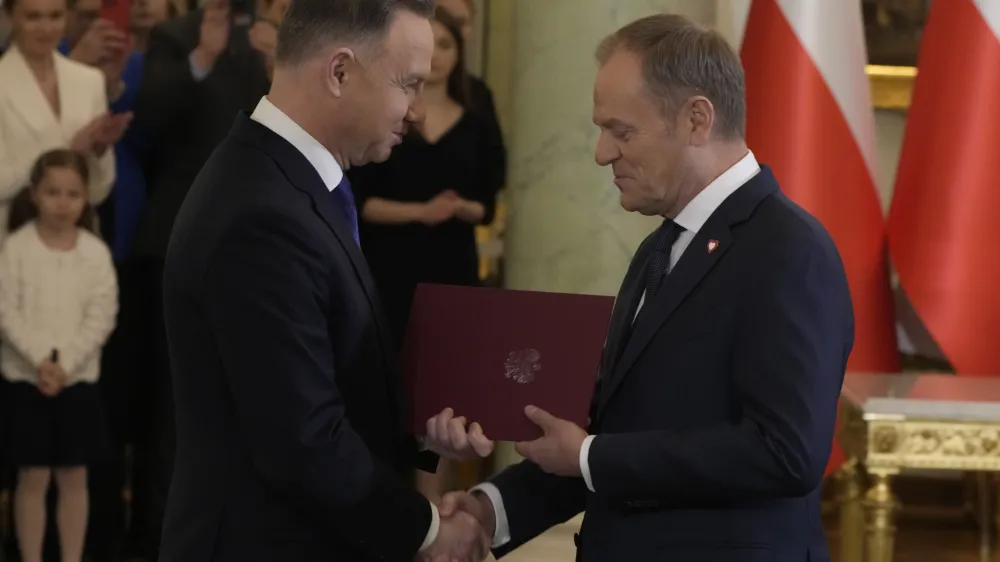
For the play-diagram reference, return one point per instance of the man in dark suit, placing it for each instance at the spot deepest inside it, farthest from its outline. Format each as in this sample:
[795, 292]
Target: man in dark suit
[715, 407]
[199, 73]
[292, 439]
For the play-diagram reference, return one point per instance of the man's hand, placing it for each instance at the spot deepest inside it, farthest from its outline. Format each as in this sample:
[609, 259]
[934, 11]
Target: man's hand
[460, 539]
[558, 451]
[476, 504]
[439, 209]
[446, 436]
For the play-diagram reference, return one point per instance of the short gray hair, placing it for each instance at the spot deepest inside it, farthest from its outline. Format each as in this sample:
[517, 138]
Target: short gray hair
[311, 25]
[681, 59]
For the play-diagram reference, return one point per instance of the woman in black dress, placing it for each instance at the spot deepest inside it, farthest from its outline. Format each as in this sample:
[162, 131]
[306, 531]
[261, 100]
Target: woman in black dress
[419, 209]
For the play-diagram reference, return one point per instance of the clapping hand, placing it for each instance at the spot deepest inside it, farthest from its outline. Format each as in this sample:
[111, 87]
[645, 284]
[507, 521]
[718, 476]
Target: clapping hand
[112, 131]
[447, 436]
[101, 41]
[264, 39]
[213, 35]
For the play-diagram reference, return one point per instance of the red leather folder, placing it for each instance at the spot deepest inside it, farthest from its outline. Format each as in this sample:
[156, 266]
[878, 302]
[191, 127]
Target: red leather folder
[487, 353]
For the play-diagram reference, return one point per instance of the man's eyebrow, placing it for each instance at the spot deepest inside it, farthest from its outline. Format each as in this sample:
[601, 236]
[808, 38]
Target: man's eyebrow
[611, 123]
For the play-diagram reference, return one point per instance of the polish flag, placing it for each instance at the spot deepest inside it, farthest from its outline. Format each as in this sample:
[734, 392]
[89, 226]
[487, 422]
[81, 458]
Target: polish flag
[945, 213]
[810, 117]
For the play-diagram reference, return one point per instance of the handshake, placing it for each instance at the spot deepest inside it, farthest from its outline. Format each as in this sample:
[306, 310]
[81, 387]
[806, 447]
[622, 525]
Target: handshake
[466, 531]
[467, 520]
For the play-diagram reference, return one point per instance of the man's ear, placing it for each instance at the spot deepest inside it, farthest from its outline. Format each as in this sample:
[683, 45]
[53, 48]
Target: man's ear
[340, 67]
[699, 115]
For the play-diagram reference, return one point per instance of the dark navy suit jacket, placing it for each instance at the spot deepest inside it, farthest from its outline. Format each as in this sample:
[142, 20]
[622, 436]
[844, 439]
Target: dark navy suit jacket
[291, 439]
[714, 418]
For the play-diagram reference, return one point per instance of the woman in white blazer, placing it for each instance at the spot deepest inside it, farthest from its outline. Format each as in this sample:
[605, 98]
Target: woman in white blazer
[49, 101]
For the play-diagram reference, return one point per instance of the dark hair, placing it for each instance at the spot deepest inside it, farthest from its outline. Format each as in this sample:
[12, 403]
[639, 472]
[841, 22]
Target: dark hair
[310, 25]
[458, 80]
[8, 5]
[680, 59]
[23, 209]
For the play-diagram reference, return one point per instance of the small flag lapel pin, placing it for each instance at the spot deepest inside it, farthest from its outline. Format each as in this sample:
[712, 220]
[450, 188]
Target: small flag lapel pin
[712, 245]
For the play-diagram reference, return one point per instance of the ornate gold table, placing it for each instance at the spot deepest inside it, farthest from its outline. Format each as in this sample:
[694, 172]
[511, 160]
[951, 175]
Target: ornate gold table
[890, 423]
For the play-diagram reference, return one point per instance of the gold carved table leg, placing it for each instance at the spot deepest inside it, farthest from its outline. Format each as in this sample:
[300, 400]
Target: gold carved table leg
[850, 478]
[996, 513]
[880, 510]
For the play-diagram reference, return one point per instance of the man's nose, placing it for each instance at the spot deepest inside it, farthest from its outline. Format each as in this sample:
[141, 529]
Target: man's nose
[417, 113]
[604, 155]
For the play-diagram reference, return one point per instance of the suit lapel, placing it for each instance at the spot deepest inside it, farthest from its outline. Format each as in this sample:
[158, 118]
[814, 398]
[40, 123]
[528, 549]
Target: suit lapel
[73, 104]
[705, 250]
[305, 178]
[625, 306]
[26, 97]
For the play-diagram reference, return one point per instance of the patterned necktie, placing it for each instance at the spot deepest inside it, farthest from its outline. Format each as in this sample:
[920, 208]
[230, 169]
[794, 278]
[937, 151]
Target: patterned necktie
[343, 197]
[659, 260]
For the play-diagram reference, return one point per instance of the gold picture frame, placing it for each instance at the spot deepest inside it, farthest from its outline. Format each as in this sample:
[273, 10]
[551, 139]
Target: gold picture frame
[893, 32]
[892, 86]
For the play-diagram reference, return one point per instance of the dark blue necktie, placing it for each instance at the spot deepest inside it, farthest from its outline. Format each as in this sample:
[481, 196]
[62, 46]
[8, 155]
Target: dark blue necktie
[659, 260]
[343, 197]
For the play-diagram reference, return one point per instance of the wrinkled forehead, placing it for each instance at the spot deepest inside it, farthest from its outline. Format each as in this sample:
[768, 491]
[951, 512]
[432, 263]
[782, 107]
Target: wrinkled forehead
[619, 84]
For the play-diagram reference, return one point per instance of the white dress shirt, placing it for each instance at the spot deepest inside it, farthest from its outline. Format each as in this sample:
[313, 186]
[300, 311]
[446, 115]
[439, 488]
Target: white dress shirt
[330, 171]
[692, 217]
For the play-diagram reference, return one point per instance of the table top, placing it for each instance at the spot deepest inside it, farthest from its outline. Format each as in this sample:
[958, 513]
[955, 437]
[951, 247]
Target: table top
[924, 396]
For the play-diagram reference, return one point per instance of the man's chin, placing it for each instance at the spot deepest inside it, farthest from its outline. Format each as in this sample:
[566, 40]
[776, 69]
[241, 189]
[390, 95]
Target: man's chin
[380, 154]
[627, 203]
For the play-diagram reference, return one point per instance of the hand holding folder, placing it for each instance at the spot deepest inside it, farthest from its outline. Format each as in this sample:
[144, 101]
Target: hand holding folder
[487, 354]
[448, 437]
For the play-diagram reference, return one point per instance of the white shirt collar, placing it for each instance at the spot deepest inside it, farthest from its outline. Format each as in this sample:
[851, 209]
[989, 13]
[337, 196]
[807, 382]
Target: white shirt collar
[273, 118]
[696, 213]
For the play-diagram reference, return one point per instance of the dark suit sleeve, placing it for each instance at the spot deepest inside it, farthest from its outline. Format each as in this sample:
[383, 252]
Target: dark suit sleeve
[271, 287]
[794, 333]
[535, 501]
[168, 90]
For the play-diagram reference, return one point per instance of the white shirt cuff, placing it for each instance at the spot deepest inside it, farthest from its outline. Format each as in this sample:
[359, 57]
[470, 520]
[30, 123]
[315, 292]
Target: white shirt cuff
[584, 464]
[432, 531]
[501, 535]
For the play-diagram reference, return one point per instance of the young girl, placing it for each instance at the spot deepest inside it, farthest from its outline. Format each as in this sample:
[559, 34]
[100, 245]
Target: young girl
[58, 303]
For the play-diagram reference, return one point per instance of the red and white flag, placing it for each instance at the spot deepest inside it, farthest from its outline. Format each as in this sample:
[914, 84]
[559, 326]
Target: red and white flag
[809, 117]
[945, 214]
